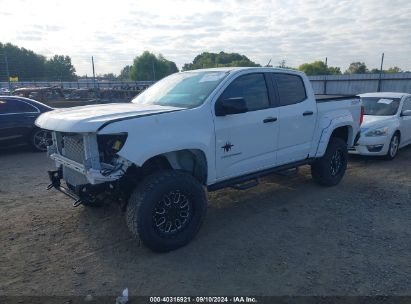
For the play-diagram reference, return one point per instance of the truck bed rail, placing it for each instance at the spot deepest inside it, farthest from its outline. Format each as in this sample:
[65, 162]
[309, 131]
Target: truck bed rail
[326, 98]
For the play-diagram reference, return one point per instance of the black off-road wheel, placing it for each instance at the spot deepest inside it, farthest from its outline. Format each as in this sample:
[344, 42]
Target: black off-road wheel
[166, 210]
[330, 169]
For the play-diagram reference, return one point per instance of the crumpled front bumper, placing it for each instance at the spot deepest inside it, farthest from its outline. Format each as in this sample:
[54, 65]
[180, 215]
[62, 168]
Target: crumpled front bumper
[82, 194]
[94, 176]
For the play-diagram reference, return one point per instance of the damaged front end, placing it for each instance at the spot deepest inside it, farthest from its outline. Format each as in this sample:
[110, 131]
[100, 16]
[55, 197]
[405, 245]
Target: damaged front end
[89, 165]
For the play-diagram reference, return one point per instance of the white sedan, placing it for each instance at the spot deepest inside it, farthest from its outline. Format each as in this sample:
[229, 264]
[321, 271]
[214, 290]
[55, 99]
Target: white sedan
[387, 124]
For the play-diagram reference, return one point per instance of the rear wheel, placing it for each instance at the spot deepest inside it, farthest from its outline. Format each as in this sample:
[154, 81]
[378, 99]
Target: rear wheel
[330, 169]
[40, 139]
[394, 147]
[166, 210]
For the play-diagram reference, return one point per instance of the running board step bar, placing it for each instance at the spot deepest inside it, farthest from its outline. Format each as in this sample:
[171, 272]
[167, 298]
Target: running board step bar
[251, 179]
[246, 185]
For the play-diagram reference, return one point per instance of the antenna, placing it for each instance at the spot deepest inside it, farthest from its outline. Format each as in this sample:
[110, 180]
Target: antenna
[268, 63]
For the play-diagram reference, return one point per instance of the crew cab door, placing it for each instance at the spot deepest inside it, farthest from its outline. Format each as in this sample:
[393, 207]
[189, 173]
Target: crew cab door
[246, 142]
[296, 119]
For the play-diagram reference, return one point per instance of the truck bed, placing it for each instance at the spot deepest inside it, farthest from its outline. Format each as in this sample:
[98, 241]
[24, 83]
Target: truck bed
[326, 98]
[343, 104]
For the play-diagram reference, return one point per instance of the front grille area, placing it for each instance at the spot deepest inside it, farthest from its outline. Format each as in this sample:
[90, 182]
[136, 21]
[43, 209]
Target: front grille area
[73, 177]
[72, 147]
[78, 148]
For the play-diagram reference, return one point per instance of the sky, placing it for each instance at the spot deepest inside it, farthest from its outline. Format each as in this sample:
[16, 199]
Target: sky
[299, 31]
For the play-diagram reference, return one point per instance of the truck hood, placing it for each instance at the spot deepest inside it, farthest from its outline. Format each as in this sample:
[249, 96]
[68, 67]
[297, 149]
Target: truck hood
[90, 118]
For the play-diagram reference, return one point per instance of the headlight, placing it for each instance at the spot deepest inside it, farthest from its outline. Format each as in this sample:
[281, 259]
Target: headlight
[109, 145]
[377, 132]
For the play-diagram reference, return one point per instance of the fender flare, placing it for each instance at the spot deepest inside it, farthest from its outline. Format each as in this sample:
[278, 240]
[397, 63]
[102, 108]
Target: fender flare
[334, 123]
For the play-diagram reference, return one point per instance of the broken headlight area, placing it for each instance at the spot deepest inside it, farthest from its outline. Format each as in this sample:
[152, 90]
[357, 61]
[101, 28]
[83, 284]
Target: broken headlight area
[109, 145]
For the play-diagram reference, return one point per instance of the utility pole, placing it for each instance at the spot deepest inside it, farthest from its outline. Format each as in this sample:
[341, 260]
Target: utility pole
[379, 78]
[154, 70]
[325, 76]
[7, 68]
[94, 74]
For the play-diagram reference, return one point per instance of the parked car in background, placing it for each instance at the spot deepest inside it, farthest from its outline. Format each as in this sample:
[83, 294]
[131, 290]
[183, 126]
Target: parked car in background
[17, 117]
[387, 124]
[4, 91]
[42, 94]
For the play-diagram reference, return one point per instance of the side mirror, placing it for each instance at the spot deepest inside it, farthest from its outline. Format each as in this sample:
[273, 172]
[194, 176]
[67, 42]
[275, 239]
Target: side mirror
[406, 113]
[228, 106]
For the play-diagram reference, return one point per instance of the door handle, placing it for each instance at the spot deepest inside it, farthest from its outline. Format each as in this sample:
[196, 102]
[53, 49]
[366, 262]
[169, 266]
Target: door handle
[306, 113]
[270, 119]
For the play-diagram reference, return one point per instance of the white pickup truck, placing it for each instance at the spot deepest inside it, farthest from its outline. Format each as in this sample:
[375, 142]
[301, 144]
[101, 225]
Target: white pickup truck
[211, 128]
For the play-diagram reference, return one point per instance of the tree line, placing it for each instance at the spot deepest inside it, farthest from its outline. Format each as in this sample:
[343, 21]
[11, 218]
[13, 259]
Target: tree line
[320, 68]
[27, 65]
[146, 65]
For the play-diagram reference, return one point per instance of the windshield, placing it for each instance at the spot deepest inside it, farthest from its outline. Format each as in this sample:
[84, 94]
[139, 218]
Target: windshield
[184, 90]
[379, 106]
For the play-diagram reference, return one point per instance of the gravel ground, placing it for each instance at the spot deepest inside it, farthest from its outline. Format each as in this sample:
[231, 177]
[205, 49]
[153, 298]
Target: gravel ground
[287, 236]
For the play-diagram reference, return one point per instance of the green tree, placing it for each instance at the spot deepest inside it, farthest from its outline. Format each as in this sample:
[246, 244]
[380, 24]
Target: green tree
[108, 76]
[283, 65]
[222, 59]
[393, 70]
[148, 66]
[357, 68]
[375, 71]
[23, 63]
[334, 71]
[319, 68]
[27, 65]
[59, 68]
[125, 73]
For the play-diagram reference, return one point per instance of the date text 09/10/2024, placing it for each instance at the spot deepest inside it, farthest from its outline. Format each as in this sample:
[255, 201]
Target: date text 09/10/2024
[208, 299]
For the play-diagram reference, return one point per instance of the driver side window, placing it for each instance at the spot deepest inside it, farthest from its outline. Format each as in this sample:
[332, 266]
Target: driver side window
[252, 88]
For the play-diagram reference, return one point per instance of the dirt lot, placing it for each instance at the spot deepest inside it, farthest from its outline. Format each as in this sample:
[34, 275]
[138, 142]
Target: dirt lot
[287, 236]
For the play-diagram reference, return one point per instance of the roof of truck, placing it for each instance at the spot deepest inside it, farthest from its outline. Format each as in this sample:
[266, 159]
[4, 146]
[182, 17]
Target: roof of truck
[230, 69]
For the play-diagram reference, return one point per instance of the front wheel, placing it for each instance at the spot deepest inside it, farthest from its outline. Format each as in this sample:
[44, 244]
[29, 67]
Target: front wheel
[330, 169]
[166, 210]
[394, 147]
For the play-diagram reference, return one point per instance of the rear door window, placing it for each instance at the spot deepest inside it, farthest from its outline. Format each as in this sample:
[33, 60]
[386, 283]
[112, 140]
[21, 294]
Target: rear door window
[291, 89]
